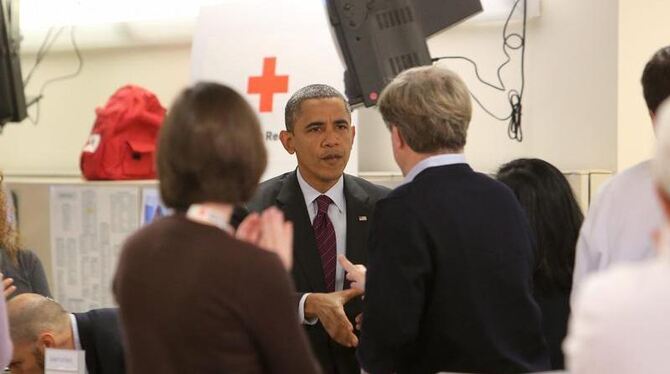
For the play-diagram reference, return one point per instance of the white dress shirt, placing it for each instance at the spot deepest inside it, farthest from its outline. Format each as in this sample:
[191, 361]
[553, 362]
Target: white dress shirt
[432, 161]
[619, 224]
[620, 320]
[337, 212]
[75, 334]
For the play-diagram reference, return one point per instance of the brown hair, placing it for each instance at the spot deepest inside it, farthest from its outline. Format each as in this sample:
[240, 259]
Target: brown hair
[431, 108]
[210, 148]
[9, 237]
[656, 79]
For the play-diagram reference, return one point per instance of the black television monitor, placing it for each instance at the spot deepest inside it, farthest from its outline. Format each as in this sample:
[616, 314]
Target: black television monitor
[437, 15]
[378, 39]
[12, 96]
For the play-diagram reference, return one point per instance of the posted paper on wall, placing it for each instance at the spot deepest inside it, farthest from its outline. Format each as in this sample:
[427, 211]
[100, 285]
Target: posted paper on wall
[88, 227]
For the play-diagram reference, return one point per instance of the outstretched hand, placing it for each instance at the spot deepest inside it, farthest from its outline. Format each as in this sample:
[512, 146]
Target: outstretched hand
[329, 309]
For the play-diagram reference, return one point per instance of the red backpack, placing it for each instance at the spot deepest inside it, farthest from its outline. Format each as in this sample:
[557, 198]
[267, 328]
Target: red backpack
[122, 144]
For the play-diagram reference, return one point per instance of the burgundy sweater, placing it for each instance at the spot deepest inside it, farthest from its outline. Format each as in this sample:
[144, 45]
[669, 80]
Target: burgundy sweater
[193, 299]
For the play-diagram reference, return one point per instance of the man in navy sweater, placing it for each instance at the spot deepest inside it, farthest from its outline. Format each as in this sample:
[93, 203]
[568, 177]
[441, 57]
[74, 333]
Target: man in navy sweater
[450, 257]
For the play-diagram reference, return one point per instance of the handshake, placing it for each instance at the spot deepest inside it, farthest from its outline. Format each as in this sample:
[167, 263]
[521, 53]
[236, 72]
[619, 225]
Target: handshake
[329, 307]
[270, 231]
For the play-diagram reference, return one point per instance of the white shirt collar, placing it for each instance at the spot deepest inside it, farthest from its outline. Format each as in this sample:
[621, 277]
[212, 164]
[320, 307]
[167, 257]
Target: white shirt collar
[336, 193]
[75, 332]
[432, 161]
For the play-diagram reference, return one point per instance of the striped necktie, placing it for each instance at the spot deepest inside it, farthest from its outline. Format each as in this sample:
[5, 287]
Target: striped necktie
[325, 241]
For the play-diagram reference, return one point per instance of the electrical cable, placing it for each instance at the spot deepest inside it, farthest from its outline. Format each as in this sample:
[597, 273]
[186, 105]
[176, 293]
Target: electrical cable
[514, 97]
[72, 75]
[42, 52]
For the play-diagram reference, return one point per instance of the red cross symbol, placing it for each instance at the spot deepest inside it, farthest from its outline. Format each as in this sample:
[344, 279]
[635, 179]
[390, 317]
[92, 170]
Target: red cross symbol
[268, 84]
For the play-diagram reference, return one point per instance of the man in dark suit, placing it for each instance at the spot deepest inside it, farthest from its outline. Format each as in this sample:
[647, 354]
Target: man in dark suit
[330, 212]
[450, 257]
[37, 322]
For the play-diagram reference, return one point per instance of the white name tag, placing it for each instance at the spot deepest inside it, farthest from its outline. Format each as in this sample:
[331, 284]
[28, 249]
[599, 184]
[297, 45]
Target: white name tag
[64, 361]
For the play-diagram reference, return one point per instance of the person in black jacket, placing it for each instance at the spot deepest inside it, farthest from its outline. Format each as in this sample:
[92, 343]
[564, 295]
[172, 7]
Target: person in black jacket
[555, 219]
[37, 322]
[450, 257]
[320, 133]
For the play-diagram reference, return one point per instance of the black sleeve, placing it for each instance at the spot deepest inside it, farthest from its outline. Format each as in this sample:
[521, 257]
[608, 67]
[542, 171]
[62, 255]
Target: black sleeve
[399, 268]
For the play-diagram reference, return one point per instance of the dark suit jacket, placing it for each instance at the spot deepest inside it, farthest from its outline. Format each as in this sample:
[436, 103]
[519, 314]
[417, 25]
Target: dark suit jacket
[360, 195]
[100, 337]
[449, 279]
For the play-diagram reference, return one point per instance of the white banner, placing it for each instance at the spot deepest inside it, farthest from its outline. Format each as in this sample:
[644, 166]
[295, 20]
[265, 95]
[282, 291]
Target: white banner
[267, 50]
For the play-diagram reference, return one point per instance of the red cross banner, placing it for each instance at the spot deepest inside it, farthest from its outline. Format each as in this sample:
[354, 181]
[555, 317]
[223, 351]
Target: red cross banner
[266, 50]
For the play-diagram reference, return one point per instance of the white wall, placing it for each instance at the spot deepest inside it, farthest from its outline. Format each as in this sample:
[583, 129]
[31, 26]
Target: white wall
[570, 106]
[67, 110]
[643, 29]
[570, 102]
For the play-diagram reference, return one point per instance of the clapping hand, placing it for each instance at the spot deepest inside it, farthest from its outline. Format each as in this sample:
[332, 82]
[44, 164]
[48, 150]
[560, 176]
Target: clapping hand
[270, 231]
[8, 286]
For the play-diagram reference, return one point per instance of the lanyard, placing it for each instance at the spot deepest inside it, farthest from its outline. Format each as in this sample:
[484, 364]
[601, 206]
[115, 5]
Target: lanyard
[207, 215]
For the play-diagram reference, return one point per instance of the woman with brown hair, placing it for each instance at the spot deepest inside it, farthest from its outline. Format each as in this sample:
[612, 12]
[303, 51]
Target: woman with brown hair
[21, 269]
[195, 295]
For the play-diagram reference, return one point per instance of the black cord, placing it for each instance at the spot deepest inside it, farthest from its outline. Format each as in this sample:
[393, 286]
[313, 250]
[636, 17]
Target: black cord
[72, 75]
[47, 43]
[514, 97]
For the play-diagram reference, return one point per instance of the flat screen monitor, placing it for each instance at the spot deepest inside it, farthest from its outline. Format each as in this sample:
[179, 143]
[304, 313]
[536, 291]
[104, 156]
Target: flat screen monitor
[12, 96]
[378, 39]
[437, 15]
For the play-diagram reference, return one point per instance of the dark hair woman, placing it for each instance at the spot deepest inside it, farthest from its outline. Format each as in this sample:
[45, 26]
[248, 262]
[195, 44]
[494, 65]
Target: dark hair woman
[555, 218]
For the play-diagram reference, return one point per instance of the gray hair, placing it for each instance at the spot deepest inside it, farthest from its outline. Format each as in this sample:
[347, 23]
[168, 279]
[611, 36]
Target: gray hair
[431, 108]
[30, 315]
[313, 91]
[661, 161]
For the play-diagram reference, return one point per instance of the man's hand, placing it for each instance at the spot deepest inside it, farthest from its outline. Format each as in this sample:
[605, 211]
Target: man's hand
[355, 273]
[329, 308]
[8, 287]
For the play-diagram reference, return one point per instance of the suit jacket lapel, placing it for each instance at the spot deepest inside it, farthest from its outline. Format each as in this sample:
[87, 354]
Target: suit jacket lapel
[359, 212]
[305, 255]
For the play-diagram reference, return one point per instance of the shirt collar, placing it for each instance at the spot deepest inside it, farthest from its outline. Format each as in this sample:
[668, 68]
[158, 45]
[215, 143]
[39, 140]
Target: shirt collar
[75, 332]
[336, 193]
[432, 161]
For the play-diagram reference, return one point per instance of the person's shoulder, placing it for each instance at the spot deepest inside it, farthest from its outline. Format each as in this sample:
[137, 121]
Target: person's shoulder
[633, 178]
[101, 313]
[267, 191]
[163, 227]
[255, 260]
[278, 180]
[375, 191]
[27, 256]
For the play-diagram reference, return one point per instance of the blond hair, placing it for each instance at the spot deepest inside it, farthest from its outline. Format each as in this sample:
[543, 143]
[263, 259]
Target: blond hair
[430, 107]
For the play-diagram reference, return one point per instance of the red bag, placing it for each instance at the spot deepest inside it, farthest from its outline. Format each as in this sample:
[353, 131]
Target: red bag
[122, 144]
